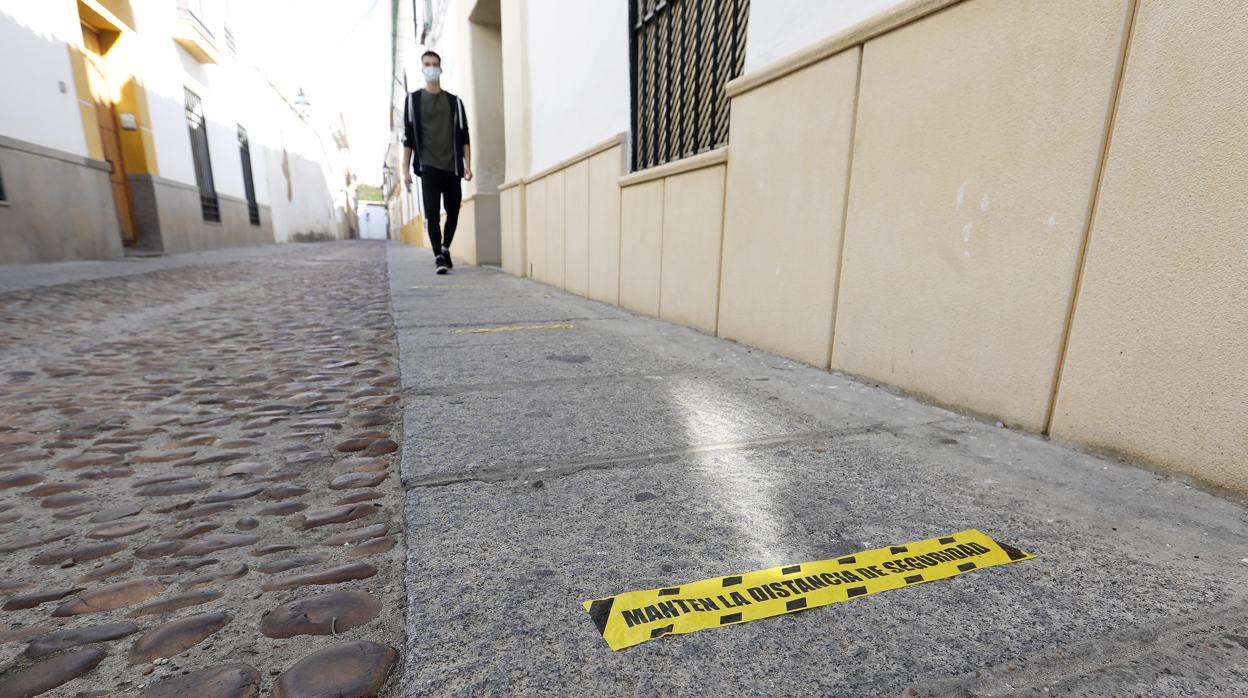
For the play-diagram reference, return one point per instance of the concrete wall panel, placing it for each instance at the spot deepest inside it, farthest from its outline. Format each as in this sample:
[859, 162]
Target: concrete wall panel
[535, 229]
[1157, 363]
[464, 246]
[604, 225]
[786, 189]
[576, 228]
[511, 216]
[641, 246]
[978, 137]
[556, 238]
[693, 217]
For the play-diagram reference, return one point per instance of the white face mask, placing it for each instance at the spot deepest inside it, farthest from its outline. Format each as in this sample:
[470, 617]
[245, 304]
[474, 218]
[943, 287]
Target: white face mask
[432, 73]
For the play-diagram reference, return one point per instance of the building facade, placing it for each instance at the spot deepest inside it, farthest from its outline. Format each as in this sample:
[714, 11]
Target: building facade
[133, 125]
[1030, 211]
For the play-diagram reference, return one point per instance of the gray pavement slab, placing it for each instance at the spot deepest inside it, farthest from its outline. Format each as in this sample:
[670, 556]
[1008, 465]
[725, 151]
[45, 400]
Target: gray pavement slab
[532, 488]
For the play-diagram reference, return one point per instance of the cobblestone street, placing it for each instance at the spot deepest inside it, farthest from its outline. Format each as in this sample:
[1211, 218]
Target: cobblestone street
[198, 480]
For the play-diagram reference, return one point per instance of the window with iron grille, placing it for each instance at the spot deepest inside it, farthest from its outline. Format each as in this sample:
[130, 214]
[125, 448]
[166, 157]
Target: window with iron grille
[249, 185]
[683, 54]
[3, 197]
[203, 163]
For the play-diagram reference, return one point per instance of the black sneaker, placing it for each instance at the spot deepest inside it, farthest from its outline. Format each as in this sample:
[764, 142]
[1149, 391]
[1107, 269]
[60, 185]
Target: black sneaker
[446, 254]
[440, 262]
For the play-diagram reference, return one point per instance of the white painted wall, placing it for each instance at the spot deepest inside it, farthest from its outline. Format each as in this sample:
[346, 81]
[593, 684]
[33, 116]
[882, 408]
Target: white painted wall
[373, 222]
[778, 28]
[578, 76]
[34, 61]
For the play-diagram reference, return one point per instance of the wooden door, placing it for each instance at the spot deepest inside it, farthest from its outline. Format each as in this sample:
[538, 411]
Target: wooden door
[109, 135]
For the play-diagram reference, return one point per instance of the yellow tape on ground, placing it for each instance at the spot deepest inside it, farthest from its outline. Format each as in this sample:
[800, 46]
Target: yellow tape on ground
[632, 618]
[515, 328]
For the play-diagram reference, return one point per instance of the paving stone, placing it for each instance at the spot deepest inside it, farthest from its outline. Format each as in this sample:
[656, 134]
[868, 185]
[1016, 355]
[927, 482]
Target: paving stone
[271, 548]
[223, 681]
[373, 546]
[19, 479]
[170, 489]
[323, 614]
[353, 445]
[346, 670]
[360, 464]
[235, 494]
[289, 563]
[334, 515]
[67, 499]
[195, 529]
[170, 567]
[381, 447]
[177, 601]
[151, 551]
[203, 510]
[357, 535]
[212, 544]
[246, 468]
[283, 508]
[333, 575]
[176, 636]
[50, 673]
[110, 597]
[88, 460]
[167, 457]
[53, 488]
[119, 529]
[279, 492]
[23, 633]
[116, 513]
[111, 569]
[73, 637]
[246, 523]
[83, 552]
[225, 574]
[17, 603]
[355, 480]
[361, 496]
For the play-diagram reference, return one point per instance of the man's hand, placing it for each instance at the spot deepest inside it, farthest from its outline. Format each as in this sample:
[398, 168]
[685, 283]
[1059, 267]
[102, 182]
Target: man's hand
[468, 174]
[407, 179]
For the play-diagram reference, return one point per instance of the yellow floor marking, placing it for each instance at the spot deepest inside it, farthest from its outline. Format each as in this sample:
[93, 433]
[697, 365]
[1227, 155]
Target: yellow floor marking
[514, 328]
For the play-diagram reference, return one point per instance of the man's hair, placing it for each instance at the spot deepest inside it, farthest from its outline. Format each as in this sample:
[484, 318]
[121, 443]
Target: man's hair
[426, 54]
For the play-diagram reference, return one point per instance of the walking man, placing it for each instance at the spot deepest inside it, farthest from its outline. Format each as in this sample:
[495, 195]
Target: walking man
[435, 129]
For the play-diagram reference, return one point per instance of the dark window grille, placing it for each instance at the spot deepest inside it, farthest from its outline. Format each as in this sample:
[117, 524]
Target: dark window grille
[203, 163]
[3, 196]
[249, 185]
[683, 54]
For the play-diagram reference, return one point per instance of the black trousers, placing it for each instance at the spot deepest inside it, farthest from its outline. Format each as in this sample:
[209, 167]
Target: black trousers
[439, 189]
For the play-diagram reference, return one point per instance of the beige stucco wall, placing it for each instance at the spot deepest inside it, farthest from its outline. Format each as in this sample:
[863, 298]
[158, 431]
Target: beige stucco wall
[464, 246]
[511, 217]
[576, 228]
[785, 198]
[535, 229]
[1157, 364]
[604, 225]
[641, 245]
[693, 207]
[556, 251]
[979, 134]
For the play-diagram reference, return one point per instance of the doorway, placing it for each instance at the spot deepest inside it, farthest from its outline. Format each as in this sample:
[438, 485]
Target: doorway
[110, 138]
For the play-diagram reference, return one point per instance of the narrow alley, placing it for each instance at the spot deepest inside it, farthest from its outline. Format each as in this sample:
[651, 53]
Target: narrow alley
[203, 464]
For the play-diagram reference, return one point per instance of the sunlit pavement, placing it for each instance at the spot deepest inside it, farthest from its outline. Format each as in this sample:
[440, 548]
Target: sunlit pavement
[574, 451]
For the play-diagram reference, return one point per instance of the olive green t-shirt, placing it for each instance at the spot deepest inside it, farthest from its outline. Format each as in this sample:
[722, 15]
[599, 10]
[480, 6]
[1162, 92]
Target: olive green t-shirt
[437, 132]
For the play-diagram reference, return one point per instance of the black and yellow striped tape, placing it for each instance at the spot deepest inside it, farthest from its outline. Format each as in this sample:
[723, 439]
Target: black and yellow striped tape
[637, 616]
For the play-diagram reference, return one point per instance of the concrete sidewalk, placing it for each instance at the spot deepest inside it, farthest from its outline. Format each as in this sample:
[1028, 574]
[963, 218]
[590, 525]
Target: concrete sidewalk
[548, 466]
